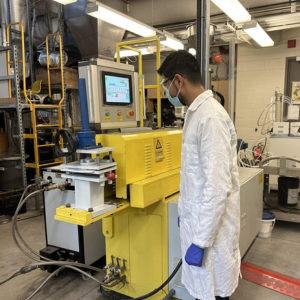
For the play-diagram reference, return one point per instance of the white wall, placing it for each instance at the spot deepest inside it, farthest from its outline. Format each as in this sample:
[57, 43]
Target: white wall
[259, 73]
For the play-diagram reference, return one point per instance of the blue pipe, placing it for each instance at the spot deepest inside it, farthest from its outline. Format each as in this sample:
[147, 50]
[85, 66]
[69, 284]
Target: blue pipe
[86, 139]
[83, 105]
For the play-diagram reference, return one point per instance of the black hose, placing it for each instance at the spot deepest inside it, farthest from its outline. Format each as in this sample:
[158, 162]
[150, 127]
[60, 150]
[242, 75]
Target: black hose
[221, 97]
[70, 141]
[163, 285]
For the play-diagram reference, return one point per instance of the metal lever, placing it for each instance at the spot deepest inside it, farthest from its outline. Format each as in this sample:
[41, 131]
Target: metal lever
[123, 267]
[118, 265]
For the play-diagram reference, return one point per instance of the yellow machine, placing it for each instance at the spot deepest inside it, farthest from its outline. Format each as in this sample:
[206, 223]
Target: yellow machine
[147, 179]
[136, 233]
[149, 165]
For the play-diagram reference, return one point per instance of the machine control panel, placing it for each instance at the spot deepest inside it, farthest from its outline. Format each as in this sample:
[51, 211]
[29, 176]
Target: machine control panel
[113, 94]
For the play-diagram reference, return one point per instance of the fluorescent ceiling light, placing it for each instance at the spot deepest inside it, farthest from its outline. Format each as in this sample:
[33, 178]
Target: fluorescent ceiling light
[65, 1]
[145, 51]
[114, 17]
[172, 43]
[192, 51]
[234, 10]
[254, 30]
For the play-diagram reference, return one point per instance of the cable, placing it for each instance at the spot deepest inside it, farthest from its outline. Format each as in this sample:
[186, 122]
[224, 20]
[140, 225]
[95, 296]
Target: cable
[289, 209]
[15, 274]
[69, 265]
[154, 291]
[15, 227]
[73, 268]
[269, 106]
[162, 286]
[44, 282]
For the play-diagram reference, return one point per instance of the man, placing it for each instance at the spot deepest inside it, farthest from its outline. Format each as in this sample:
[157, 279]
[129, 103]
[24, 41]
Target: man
[209, 207]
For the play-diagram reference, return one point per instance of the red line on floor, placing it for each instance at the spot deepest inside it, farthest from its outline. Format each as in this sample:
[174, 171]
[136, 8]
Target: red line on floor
[272, 280]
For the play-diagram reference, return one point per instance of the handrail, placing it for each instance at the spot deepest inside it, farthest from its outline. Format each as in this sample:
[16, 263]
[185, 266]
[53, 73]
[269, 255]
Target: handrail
[61, 65]
[157, 85]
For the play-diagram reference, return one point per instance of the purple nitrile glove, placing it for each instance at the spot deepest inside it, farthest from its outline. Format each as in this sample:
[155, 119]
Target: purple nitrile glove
[194, 256]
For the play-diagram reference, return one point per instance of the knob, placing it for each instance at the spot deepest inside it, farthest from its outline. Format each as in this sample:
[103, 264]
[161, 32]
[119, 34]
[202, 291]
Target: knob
[130, 113]
[111, 176]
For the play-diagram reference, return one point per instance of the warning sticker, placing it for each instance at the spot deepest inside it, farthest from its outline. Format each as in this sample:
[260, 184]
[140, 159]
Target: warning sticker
[107, 119]
[261, 178]
[158, 146]
[119, 118]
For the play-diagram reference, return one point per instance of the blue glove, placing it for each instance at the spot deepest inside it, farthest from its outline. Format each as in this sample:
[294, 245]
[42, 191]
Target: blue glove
[194, 256]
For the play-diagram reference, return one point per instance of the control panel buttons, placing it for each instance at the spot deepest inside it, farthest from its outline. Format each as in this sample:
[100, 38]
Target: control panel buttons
[130, 113]
[119, 113]
[107, 113]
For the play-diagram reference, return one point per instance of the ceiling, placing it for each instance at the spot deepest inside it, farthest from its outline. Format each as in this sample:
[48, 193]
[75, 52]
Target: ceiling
[160, 12]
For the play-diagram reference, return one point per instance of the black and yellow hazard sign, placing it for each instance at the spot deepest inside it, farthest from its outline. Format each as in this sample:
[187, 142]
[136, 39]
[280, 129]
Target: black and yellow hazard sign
[158, 147]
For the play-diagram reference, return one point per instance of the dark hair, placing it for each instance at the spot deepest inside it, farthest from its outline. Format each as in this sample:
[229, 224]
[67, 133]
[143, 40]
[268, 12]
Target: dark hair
[183, 63]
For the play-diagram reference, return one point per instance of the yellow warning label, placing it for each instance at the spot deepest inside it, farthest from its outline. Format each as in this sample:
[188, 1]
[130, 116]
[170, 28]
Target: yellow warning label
[107, 119]
[119, 118]
[158, 146]
[261, 178]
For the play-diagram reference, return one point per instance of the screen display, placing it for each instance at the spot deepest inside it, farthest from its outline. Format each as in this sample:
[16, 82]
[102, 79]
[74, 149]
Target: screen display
[117, 89]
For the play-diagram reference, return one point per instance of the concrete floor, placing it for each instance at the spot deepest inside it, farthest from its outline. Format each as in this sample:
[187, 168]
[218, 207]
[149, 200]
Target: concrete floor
[278, 253]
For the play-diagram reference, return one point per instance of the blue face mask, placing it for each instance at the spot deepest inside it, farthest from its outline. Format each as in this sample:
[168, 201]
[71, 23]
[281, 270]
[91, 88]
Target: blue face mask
[174, 100]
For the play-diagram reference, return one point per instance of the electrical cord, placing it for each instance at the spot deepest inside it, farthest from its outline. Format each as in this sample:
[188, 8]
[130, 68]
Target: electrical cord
[154, 291]
[44, 282]
[269, 106]
[163, 285]
[69, 267]
[15, 274]
[63, 264]
[287, 211]
[14, 226]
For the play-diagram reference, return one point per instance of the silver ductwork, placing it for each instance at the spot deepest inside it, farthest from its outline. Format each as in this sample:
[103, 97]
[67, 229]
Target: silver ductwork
[93, 37]
[15, 11]
[192, 35]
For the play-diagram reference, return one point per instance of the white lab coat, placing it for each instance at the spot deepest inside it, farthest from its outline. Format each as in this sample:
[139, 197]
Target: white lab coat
[209, 203]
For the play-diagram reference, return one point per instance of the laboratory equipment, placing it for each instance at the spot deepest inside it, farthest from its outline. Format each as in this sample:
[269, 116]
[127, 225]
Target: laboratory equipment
[112, 93]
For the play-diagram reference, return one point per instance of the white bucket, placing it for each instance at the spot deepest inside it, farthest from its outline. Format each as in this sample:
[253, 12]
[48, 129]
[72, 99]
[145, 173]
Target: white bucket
[267, 227]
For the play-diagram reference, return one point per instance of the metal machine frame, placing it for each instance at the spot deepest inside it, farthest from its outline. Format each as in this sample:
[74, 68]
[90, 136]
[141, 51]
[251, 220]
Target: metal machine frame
[126, 45]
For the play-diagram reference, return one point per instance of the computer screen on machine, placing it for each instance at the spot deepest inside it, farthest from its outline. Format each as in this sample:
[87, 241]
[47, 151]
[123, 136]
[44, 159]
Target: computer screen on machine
[117, 89]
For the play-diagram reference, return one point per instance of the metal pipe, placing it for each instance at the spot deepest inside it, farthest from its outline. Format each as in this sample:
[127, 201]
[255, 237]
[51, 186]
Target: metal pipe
[183, 24]
[6, 8]
[2, 17]
[30, 42]
[278, 107]
[203, 39]
[231, 78]
[206, 44]
[198, 33]
[170, 295]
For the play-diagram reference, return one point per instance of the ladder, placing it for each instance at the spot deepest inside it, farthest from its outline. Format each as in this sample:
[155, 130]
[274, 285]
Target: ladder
[34, 108]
